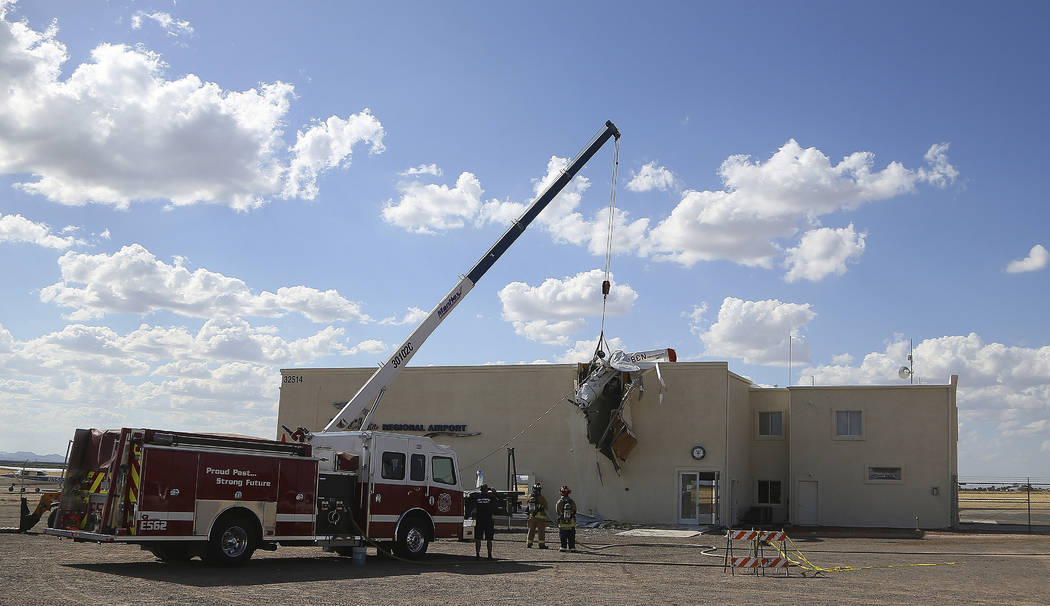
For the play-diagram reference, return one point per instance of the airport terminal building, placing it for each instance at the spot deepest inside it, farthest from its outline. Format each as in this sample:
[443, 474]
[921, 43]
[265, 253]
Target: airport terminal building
[716, 450]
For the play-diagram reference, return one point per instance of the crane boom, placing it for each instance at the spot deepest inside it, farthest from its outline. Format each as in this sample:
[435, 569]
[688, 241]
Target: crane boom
[358, 410]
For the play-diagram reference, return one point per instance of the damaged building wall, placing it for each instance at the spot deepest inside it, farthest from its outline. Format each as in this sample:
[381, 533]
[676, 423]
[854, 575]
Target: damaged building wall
[476, 409]
[692, 414]
[498, 402]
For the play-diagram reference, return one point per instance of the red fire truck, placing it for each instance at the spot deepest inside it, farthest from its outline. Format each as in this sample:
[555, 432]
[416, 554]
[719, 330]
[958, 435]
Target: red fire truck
[222, 497]
[181, 495]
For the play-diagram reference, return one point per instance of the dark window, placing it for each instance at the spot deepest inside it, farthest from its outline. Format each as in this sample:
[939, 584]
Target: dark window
[771, 423]
[419, 468]
[443, 470]
[848, 423]
[394, 465]
[769, 492]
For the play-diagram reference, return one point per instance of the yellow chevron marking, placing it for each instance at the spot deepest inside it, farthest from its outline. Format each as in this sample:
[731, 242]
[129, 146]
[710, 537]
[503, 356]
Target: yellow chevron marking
[98, 482]
[133, 493]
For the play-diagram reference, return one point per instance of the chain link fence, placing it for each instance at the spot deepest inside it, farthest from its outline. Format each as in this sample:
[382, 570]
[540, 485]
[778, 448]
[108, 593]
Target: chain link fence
[1013, 502]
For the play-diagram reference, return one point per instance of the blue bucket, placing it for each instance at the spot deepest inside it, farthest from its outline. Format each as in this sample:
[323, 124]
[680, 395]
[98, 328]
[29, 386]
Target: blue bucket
[359, 554]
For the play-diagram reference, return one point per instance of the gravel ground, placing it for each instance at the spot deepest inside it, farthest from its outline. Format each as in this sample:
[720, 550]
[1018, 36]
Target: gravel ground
[608, 569]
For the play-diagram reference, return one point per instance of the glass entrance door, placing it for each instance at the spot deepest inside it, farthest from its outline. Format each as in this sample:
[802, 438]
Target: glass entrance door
[698, 497]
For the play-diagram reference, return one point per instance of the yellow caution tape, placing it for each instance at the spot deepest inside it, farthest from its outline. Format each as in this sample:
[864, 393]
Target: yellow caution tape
[804, 563]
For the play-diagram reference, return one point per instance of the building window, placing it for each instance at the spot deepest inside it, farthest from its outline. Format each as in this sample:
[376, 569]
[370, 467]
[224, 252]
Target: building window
[884, 474]
[769, 492]
[848, 424]
[418, 473]
[443, 470]
[394, 465]
[771, 424]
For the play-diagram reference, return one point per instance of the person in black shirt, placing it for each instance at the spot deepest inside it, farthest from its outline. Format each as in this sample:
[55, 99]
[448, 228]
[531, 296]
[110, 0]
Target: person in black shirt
[484, 507]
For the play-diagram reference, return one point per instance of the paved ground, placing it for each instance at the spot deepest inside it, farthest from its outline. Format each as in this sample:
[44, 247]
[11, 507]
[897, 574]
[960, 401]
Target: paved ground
[610, 569]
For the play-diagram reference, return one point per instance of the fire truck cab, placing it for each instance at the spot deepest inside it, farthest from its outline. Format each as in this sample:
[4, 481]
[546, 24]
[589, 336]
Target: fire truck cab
[408, 490]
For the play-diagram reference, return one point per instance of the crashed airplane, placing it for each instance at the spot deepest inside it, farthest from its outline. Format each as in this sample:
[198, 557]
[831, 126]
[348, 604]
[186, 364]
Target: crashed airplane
[604, 388]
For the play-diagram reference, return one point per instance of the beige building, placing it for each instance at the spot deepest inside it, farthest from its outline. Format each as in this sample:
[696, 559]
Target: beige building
[717, 450]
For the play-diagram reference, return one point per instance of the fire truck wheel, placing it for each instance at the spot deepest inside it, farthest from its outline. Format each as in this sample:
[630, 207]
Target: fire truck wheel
[411, 539]
[233, 541]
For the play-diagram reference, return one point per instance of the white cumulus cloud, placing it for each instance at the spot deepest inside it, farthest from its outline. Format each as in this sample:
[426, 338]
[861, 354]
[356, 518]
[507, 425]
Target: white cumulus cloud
[117, 130]
[225, 374]
[101, 350]
[984, 365]
[429, 208]
[133, 280]
[1036, 260]
[423, 169]
[16, 228]
[329, 144]
[172, 26]
[766, 202]
[756, 332]
[566, 223]
[651, 177]
[843, 359]
[414, 315]
[583, 351]
[823, 252]
[369, 346]
[550, 312]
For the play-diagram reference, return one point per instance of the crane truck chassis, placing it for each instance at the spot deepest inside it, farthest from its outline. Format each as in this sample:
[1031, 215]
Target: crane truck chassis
[181, 495]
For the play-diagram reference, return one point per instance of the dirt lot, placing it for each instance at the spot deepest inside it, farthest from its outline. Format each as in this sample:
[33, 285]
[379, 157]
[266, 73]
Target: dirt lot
[610, 569]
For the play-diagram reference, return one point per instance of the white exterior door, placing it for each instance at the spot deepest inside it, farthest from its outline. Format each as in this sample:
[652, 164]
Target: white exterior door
[697, 497]
[808, 512]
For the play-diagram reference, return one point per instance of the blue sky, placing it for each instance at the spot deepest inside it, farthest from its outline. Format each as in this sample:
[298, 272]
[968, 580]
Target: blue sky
[195, 195]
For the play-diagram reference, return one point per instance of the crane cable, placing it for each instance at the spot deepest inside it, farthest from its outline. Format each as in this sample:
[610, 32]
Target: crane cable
[566, 397]
[606, 284]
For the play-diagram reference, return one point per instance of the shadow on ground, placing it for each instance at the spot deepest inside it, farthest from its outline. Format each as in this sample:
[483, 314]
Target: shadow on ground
[993, 528]
[265, 571]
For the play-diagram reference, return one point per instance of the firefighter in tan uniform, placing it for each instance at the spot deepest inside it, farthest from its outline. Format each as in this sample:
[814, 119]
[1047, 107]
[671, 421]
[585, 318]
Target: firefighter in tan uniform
[566, 509]
[536, 509]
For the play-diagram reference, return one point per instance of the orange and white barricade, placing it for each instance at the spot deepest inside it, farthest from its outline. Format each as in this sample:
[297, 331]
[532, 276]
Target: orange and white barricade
[756, 560]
